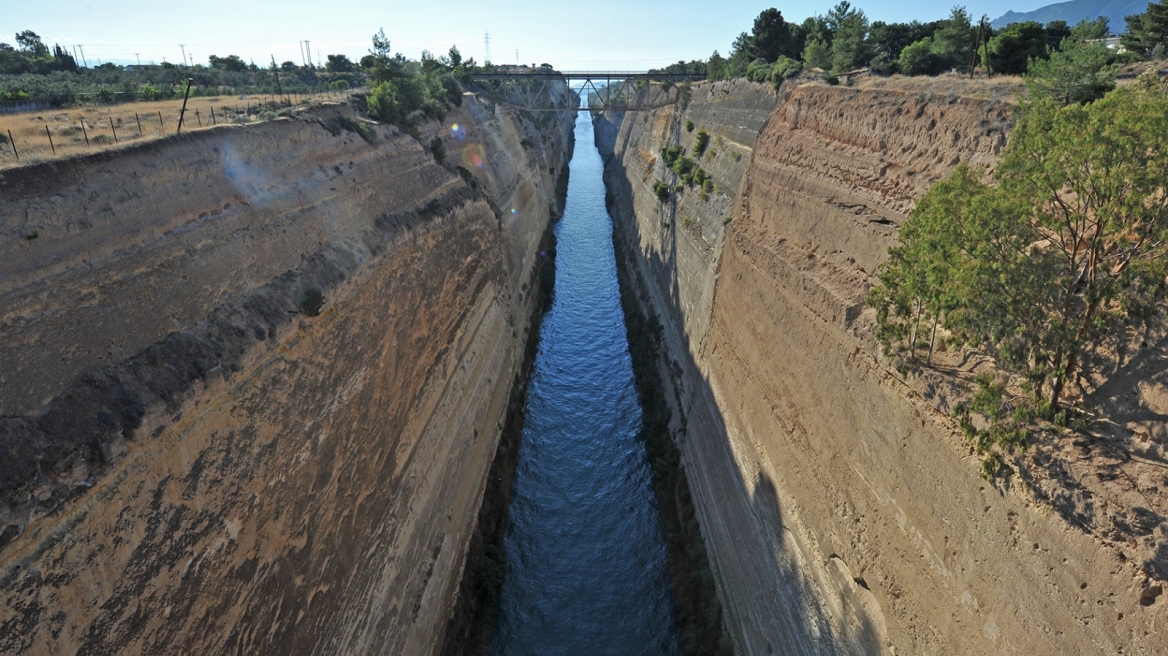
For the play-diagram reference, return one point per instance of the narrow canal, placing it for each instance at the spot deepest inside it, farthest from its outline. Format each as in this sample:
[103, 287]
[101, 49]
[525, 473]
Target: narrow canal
[586, 569]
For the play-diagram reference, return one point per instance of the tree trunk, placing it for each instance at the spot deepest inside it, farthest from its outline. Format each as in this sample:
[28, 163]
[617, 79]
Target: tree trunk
[933, 338]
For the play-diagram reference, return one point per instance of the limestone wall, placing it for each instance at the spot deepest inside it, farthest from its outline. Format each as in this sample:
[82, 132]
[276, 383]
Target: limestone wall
[198, 460]
[843, 511]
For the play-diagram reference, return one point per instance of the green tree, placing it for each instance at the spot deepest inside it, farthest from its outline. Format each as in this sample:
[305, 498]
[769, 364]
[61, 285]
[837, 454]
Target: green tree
[340, 64]
[1079, 71]
[454, 56]
[31, 43]
[772, 37]
[1147, 30]
[953, 41]
[230, 63]
[919, 59]
[1065, 250]
[1056, 31]
[817, 54]
[849, 46]
[1012, 48]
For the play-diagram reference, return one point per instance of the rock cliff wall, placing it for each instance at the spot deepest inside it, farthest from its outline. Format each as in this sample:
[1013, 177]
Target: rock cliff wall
[255, 379]
[843, 511]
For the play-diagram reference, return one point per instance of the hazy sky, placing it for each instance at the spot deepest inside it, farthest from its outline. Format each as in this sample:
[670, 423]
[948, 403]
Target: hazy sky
[595, 34]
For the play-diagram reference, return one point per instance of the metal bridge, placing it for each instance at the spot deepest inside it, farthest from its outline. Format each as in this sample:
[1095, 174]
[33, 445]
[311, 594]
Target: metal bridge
[622, 91]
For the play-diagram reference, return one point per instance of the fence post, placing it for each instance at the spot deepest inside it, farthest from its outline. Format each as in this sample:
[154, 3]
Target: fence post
[213, 121]
[160, 123]
[13, 142]
[113, 129]
[198, 118]
[182, 112]
[139, 123]
[50, 136]
[85, 132]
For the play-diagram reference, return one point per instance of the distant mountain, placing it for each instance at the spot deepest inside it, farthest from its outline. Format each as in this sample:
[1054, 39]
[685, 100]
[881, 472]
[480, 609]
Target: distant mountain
[1076, 10]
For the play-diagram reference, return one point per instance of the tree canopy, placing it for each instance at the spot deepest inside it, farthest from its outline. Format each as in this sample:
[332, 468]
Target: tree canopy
[1053, 257]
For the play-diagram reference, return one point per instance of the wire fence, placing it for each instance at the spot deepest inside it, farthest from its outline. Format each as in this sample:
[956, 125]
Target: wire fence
[30, 138]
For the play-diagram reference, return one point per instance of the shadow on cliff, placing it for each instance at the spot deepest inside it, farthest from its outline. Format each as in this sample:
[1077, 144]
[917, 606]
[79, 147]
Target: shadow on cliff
[770, 609]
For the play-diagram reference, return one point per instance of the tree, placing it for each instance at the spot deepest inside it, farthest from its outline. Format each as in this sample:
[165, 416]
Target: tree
[817, 54]
[1078, 72]
[1056, 31]
[230, 63]
[919, 59]
[1144, 31]
[1011, 49]
[953, 41]
[849, 47]
[772, 37]
[454, 56]
[288, 67]
[31, 43]
[339, 64]
[1065, 250]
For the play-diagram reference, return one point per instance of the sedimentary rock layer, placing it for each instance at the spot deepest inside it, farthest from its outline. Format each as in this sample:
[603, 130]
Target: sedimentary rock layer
[257, 379]
[843, 511]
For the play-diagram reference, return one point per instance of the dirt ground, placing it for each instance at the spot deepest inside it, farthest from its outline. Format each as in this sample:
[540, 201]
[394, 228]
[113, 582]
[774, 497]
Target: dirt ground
[78, 130]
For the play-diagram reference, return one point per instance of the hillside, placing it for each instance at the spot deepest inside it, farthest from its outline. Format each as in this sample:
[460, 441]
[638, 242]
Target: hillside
[1076, 10]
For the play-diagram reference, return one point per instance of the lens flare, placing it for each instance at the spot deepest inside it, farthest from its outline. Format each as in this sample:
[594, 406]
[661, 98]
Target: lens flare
[476, 159]
[457, 132]
[512, 210]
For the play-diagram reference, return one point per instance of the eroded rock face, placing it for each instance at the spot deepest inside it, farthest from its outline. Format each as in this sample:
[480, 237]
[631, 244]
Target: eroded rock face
[258, 376]
[842, 509]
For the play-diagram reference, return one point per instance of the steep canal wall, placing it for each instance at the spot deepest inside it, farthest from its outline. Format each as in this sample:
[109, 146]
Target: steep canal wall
[255, 377]
[841, 507]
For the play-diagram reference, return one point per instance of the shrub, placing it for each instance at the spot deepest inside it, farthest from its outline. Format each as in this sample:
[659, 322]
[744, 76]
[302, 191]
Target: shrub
[918, 58]
[312, 302]
[671, 153]
[661, 190]
[439, 149]
[689, 125]
[701, 142]
[148, 92]
[339, 85]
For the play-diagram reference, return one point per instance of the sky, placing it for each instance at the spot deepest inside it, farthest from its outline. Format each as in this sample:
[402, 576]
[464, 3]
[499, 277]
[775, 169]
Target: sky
[591, 35]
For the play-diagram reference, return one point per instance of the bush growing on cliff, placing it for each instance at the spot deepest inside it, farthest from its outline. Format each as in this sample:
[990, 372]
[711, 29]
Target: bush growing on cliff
[1066, 253]
[701, 142]
[312, 302]
[661, 190]
[689, 125]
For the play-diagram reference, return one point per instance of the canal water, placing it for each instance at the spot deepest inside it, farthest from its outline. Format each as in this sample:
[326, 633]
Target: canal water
[586, 570]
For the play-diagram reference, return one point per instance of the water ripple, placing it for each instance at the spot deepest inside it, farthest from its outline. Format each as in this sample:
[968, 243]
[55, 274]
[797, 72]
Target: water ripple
[586, 571]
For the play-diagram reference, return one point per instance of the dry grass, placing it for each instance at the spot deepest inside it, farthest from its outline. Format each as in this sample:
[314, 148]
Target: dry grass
[1003, 88]
[155, 118]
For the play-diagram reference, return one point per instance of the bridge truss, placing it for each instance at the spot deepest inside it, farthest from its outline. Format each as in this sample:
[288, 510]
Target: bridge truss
[610, 91]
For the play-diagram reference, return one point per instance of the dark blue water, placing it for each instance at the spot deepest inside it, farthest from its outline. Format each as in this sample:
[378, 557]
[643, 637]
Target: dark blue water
[586, 570]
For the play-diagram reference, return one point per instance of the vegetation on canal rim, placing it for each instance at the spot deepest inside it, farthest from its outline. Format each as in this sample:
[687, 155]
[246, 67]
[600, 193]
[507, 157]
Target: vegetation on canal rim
[1046, 266]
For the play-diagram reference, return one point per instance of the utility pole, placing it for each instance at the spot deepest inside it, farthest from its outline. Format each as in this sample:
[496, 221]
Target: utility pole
[192, 59]
[82, 49]
[138, 58]
[486, 47]
[308, 49]
[184, 53]
[517, 56]
[303, 61]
